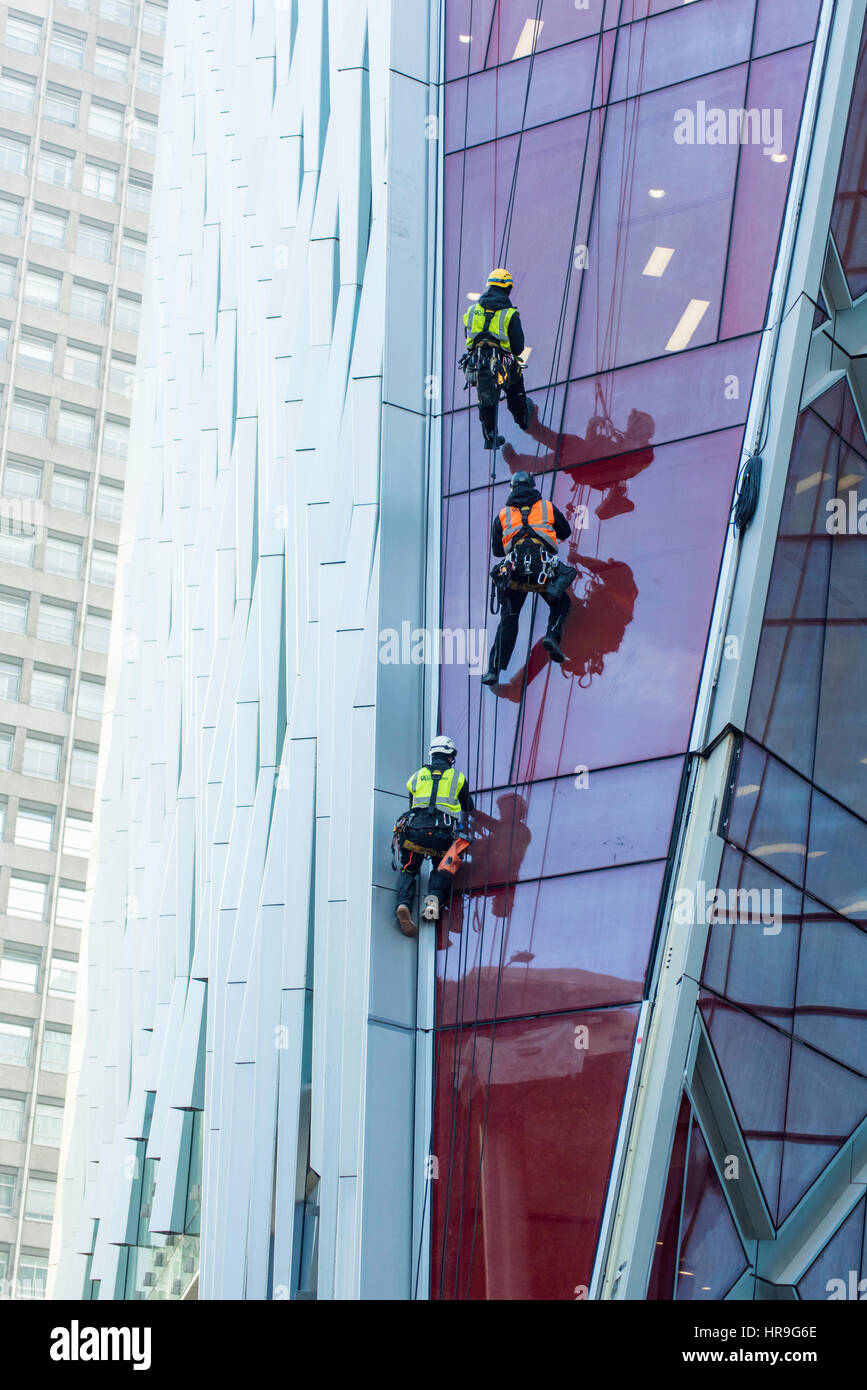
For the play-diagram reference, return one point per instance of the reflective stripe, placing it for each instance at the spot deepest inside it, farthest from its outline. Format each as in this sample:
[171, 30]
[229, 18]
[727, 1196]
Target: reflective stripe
[448, 791]
[539, 518]
[498, 327]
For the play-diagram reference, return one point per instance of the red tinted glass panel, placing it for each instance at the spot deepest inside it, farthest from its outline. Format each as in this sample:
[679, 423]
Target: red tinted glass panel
[550, 945]
[526, 1119]
[692, 393]
[571, 825]
[635, 635]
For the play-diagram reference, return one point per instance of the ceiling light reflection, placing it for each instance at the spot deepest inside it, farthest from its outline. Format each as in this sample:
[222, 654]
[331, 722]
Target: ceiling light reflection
[659, 259]
[689, 322]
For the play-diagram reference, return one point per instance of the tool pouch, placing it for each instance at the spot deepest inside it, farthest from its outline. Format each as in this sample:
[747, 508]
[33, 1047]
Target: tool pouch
[560, 581]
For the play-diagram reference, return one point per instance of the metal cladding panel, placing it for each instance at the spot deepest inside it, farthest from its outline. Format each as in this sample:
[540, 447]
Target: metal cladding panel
[387, 1267]
[276, 504]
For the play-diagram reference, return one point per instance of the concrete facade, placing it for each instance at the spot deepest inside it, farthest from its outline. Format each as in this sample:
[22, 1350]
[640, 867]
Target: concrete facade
[79, 95]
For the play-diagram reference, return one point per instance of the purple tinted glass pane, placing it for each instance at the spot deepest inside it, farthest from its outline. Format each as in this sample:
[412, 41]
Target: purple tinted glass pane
[666, 197]
[840, 736]
[642, 590]
[516, 29]
[663, 1274]
[546, 947]
[467, 33]
[844, 1252]
[751, 961]
[562, 83]
[831, 407]
[782, 26]
[681, 44]
[525, 1123]
[711, 1256]
[478, 203]
[851, 427]
[812, 477]
[564, 827]
[611, 419]
[789, 664]
[849, 218]
[769, 812]
[837, 862]
[830, 1011]
[754, 1060]
[776, 85]
[826, 1103]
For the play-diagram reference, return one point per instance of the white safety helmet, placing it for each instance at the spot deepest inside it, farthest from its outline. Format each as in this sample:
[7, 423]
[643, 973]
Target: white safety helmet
[443, 744]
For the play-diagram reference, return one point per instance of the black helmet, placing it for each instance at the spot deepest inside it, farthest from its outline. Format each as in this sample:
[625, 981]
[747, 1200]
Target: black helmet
[522, 479]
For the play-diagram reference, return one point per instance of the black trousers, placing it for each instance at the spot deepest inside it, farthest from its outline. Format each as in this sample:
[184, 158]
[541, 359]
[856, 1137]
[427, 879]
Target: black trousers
[489, 392]
[435, 844]
[512, 601]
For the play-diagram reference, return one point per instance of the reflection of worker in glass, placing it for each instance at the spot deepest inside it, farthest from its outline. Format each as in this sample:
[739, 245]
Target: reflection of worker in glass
[595, 625]
[604, 460]
[499, 845]
[495, 341]
[499, 853]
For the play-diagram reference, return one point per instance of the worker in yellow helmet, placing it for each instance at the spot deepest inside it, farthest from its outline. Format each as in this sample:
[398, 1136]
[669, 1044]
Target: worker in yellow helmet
[495, 341]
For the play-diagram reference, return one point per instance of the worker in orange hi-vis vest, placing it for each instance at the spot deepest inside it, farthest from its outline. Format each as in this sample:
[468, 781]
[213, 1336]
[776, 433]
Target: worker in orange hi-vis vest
[525, 533]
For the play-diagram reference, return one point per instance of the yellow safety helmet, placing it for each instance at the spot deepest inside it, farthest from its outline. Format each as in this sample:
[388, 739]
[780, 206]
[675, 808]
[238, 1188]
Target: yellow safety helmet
[501, 278]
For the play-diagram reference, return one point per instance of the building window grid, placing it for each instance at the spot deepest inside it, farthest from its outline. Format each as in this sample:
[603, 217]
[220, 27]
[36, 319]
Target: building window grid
[32, 1267]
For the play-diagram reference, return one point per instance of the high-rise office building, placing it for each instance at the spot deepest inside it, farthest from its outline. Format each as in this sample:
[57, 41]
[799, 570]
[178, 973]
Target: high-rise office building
[627, 1063]
[79, 94]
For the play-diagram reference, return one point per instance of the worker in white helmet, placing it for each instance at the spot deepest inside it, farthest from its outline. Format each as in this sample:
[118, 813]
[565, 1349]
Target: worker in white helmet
[440, 805]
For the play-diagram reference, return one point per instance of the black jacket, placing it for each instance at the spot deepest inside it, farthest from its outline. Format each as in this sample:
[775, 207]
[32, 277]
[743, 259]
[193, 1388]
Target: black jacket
[498, 299]
[440, 762]
[523, 495]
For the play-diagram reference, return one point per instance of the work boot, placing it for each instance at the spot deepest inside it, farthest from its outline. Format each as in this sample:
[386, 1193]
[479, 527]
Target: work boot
[494, 441]
[553, 650]
[405, 922]
[532, 412]
[431, 909]
[615, 503]
[491, 678]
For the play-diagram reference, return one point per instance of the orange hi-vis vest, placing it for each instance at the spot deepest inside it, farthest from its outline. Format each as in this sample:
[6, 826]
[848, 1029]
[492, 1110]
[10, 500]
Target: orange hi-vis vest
[538, 519]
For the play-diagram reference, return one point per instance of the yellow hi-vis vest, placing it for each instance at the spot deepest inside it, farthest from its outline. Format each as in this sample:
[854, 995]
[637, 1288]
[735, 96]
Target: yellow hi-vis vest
[431, 788]
[497, 325]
